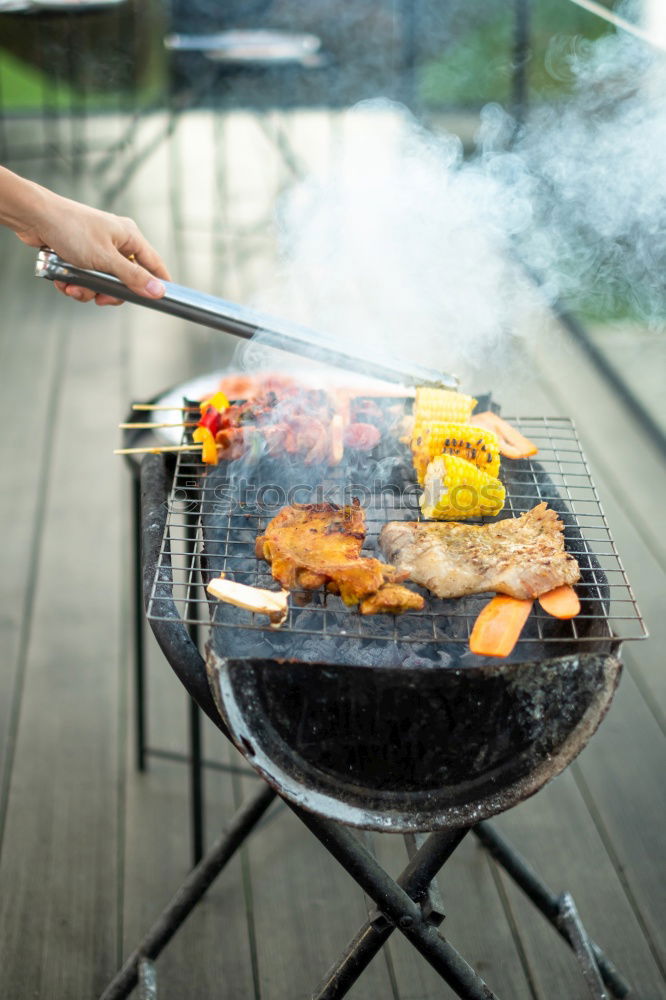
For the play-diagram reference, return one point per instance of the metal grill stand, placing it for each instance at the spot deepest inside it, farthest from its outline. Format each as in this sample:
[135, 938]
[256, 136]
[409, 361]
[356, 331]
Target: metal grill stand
[409, 904]
[194, 757]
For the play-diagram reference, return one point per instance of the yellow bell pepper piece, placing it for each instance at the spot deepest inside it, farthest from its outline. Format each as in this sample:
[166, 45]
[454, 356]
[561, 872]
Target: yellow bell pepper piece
[219, 401]
[208, 445]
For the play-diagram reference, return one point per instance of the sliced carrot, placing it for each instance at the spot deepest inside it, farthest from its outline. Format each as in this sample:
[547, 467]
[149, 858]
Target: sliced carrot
[512, 443]
[561, 602]
[497, 629]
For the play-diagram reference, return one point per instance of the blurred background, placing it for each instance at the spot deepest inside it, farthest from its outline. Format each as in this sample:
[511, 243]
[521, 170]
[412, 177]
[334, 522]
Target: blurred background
[203, 118]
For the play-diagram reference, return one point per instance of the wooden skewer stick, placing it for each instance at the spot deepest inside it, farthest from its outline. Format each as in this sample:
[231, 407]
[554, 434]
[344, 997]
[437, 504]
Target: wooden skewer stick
[159, 406]
[158, 450]
[153, 426]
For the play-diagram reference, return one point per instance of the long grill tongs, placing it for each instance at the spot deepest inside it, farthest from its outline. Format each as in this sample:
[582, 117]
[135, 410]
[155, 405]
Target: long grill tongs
[219, 314]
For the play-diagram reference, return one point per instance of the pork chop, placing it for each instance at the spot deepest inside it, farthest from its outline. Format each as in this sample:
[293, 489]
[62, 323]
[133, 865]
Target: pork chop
[319, 545]
[520, 556]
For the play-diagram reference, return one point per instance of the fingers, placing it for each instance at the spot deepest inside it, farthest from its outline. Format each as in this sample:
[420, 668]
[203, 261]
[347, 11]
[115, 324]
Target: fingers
[148, 256]
[74, 291]
[112, 244]
[136, 277]
[85, 295]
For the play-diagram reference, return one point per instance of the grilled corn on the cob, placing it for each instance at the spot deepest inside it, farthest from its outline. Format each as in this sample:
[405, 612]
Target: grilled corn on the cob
[440, 405]
[475, 444]
[455, 489]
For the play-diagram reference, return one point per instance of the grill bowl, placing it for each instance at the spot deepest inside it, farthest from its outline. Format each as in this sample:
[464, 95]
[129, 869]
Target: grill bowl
[406, 749]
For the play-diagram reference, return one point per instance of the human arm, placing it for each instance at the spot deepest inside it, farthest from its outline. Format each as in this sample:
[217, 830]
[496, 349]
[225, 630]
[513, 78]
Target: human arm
[81, 235]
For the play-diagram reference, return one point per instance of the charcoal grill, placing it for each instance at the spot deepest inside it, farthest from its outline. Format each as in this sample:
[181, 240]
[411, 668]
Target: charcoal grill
[404, 728]
[389, 722]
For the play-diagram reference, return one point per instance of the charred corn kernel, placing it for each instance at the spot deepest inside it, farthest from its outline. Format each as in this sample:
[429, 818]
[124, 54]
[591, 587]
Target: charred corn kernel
[455, 489]
[208, 445]
[476, 445]
[440, 405]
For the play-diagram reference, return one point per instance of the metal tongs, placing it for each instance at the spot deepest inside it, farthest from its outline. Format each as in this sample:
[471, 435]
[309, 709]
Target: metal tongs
[219, 314]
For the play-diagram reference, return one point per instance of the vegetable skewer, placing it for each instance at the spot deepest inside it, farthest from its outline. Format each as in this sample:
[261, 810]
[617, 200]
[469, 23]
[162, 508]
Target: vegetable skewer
[151, 407]
[157, 449]
[148, 426]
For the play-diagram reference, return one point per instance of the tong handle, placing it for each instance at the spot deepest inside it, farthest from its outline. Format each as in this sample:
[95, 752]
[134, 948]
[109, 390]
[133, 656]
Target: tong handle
[219, 314]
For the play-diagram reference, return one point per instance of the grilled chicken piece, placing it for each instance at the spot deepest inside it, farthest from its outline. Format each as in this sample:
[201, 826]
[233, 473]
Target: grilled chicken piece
[394, 598]
[522, 556]
[319, 544]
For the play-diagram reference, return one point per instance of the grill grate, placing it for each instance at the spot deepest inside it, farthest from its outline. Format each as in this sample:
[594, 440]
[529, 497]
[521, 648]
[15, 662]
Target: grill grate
[213, 521]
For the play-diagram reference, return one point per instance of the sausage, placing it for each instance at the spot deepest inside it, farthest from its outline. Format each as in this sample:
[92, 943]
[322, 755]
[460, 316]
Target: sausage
[362, 437]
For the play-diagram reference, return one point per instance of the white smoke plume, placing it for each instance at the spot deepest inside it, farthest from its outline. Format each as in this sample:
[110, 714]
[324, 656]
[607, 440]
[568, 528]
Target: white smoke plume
[410, 247]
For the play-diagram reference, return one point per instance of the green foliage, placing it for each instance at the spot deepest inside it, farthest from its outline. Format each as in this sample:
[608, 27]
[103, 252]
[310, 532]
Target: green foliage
[475, 66]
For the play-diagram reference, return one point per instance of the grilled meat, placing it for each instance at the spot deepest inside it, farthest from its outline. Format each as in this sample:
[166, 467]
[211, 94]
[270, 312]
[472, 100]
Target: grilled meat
[522, 556]
[319, 545]
[391, 597]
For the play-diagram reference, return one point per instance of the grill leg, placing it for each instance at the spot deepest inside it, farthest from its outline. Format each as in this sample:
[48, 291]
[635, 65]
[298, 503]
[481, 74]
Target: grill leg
[580, 943]
[424, 864]
[432, 903]
[196, 783]
[397, 906]
[558, 910]
[195, 755]
[186, 898]
[147, 980]
[139, 649]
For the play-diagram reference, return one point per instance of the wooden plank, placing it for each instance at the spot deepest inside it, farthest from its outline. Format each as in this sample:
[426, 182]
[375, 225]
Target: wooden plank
[58, 877]
[555, 834]
[622, 778]
[612, 440]
[306, 908]
[27, 396]
[210, 954]
[644, 659]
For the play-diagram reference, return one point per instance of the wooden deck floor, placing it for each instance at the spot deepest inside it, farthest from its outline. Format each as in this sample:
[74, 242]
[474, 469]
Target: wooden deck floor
[90, 849]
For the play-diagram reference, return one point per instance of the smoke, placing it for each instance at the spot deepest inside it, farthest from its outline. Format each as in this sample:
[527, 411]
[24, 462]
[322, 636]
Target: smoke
[597, 163]
[410, 248]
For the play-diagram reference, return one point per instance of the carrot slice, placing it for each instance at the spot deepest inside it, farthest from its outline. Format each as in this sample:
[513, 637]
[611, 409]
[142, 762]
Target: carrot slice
[561, 602]
[497, 629]
[512, 443]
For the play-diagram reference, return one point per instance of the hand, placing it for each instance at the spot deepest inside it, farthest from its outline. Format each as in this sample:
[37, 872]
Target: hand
[96, 240]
